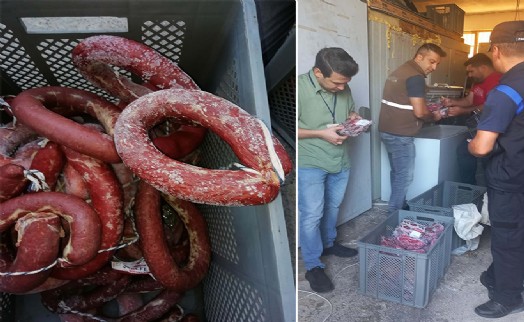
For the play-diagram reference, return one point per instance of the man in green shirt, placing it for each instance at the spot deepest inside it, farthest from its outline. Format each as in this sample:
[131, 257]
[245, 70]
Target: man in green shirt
[324, 101]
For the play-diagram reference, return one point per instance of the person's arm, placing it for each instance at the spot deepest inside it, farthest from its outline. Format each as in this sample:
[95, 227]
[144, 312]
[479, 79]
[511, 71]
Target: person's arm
[421, 110]
[416, 88]
[328, 134]
[459, 102]
[483, 143]
[463, 106]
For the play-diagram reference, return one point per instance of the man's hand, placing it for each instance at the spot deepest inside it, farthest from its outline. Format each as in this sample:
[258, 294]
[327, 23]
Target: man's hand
[354, 116]
[437, 116]
[330, 134]
[447, 101]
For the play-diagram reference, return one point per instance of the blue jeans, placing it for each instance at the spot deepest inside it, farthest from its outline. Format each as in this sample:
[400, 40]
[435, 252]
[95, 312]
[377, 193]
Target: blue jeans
[319, 197]
[401, 155]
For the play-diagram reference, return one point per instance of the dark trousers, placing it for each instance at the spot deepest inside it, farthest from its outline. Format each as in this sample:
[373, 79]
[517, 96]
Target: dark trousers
[467, 164]
[506, 214]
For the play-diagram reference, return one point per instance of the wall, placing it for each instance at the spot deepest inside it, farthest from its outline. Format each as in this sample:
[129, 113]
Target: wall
[341, 23]
[486, 21]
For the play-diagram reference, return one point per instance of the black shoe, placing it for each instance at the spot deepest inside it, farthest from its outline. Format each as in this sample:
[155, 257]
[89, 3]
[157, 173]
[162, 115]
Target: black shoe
[492, 309]
[318, 280]
[339, 251]
[487, 283]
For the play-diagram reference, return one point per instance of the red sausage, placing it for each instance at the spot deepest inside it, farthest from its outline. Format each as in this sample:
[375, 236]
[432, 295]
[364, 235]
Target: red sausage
[12, 181]
[107, 200]
[29, 109]
[74, 184]
[38, 247]
[244, 133]
[127, 182]
[11, 137]
[49, 284]
[92, 56]
[96, 297]
[129, 302]
[153, 310]
[155, 247]
[83, 221]
[49, 160]
[25, 154]
[181, 142]
[175, 314]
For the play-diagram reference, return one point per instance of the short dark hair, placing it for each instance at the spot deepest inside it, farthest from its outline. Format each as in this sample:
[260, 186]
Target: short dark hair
[511, 49]
[479, 59]
[334, 59]
[422, 50]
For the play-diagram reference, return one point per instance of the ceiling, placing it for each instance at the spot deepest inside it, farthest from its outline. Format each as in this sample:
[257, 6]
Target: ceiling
[473, 6]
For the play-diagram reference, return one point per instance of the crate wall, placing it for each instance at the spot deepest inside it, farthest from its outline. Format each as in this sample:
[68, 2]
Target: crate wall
[217, 44]
[282, 106]
[398, 275]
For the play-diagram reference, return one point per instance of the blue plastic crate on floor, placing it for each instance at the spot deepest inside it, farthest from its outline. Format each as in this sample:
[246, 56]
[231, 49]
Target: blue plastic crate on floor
[403, 276]
[440, 200]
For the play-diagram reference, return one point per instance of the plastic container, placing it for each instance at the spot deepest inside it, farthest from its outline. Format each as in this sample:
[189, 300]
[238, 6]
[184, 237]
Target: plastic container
[449, 16]
[217, 43]
[440, 199]
[403, 276]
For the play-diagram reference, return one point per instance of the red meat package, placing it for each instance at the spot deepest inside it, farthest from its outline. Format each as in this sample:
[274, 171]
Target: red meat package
[354, 127]
[413, 236]
[437, 106]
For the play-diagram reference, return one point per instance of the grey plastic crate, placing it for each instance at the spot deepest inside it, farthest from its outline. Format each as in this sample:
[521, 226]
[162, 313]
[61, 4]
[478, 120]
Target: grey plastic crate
[217, 43]
[440, 199]
[403, 276]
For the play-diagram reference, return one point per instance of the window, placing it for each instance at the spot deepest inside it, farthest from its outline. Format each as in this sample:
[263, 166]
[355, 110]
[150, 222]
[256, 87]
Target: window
[477, 41]
[469, 39]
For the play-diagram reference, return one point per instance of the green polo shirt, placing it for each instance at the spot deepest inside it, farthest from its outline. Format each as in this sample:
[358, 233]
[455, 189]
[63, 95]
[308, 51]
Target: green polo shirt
[314, 114]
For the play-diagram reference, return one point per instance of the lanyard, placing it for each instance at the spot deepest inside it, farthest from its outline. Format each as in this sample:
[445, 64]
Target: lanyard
[332, 112]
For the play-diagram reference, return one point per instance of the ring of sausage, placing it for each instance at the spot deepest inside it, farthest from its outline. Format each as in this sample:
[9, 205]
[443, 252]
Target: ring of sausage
[257, 183]
[29, 107]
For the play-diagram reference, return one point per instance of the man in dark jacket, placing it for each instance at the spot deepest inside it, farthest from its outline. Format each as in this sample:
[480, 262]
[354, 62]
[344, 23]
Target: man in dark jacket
[500, 137]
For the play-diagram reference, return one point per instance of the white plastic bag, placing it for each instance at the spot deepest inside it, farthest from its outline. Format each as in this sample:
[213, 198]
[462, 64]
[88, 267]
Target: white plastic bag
[467, 226]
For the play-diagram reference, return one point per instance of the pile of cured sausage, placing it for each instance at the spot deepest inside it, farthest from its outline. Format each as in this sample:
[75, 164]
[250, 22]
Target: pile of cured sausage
[97, 200]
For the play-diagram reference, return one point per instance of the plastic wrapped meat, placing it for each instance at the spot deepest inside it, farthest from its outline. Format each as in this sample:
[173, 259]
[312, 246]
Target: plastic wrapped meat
[434, 106]
[354, 127]
[437, 106]
[413, 236]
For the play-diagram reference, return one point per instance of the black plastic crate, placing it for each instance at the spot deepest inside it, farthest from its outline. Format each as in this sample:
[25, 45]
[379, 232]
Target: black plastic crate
[449, 16]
